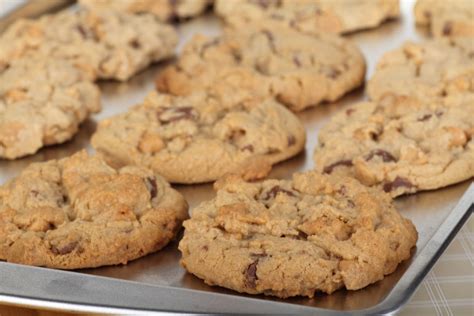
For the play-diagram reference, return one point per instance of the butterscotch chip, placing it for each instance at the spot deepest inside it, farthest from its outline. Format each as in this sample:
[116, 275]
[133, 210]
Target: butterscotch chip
[165, 10]
[202, 137]
[415, 147]
[78, 212]
[340, 16]
[296, 237]
[298, 69]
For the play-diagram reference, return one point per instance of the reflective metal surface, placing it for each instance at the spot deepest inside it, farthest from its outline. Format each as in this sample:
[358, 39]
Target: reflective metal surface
[159, 283]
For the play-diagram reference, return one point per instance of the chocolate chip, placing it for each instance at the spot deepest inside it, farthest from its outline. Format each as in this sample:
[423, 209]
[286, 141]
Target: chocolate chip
[258, 255]
[35, 193]
[302, 235]
[385, 155]
[439, 113]
[68, 248]
[248, 148]
[177, 114]
[205, 248]
[151, 186]
[291, 140]
[349, 112]
[271, 39]
[425, 117]
[272, 193]
[209, 44]
[82, 31]
[397, 183]
[135, 44]
[296, 61]
[277, 17]
[448, 27]
[351, 203]
[427, 14]
[329, 169]
[265, 4]
[333, 73]
[251, 274]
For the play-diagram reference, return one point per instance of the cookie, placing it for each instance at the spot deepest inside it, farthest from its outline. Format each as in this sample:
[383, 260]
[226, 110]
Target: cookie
[78, 212]
[400, 148]
[441, 69]
[341, 16]
[163, 9]
[42, 102]
[108, 45]
[200, 138]
[314, 233]
[300, 70]
[446, 18]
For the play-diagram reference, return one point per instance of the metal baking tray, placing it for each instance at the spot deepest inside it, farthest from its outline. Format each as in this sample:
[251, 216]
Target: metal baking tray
[157, 283]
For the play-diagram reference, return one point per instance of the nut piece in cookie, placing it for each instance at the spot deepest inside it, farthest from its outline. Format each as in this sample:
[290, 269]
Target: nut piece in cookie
[400, 147]
[78, 212]
[201, 137]
[296, 237]
[300, 70]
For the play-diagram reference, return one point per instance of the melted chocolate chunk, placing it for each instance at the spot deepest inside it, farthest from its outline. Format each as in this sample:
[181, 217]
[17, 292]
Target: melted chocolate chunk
[135, 44]
[397, 183]
[251, 274]
[385, 155]
[425, 117]
[329, 169]
[272, 193]
[177, 114]
[291, 140]
[64, 249]
[151, 186]
[447, 28]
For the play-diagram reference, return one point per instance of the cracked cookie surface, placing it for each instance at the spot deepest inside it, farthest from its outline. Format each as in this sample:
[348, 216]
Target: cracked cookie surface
[163, 9]
[78, 212]
[42, 102]
[199, 138]
[401, 148]
[440, 70]
[446, 18]
[296, 237]
[106, 44]
[300, 70]
[341, 16]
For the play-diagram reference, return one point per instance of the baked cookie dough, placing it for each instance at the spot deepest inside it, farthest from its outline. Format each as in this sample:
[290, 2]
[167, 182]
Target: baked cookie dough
[332, 16]
[42, 102]
[300, 70]
[441, 70]
[200, 138]
[446, 18]
[296, 237]
[400, 148]
[106, 44]
[165, 10]
[78, 212]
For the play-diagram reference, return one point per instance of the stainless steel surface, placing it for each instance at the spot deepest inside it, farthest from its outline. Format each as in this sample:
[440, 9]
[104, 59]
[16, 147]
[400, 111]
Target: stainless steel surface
[157, 282]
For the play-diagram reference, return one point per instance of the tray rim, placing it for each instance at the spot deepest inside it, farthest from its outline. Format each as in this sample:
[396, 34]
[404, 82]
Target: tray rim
[171, 299]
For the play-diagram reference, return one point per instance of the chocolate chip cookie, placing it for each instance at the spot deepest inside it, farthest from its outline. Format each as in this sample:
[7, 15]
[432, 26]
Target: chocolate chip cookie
[79, 212]
[42, 102]
[300, 70]
[165, 10]
[401, 147]
[441, 70]
[106, 44]
[341, 16]
[446, 18]
[200, 138]
[296, 237]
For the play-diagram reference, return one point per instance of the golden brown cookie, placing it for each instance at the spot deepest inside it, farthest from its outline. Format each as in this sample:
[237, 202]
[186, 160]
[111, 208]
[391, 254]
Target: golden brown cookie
[79, 212]
[296, 237]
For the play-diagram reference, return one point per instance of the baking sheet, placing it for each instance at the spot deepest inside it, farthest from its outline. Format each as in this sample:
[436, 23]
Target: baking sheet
[159, 274]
